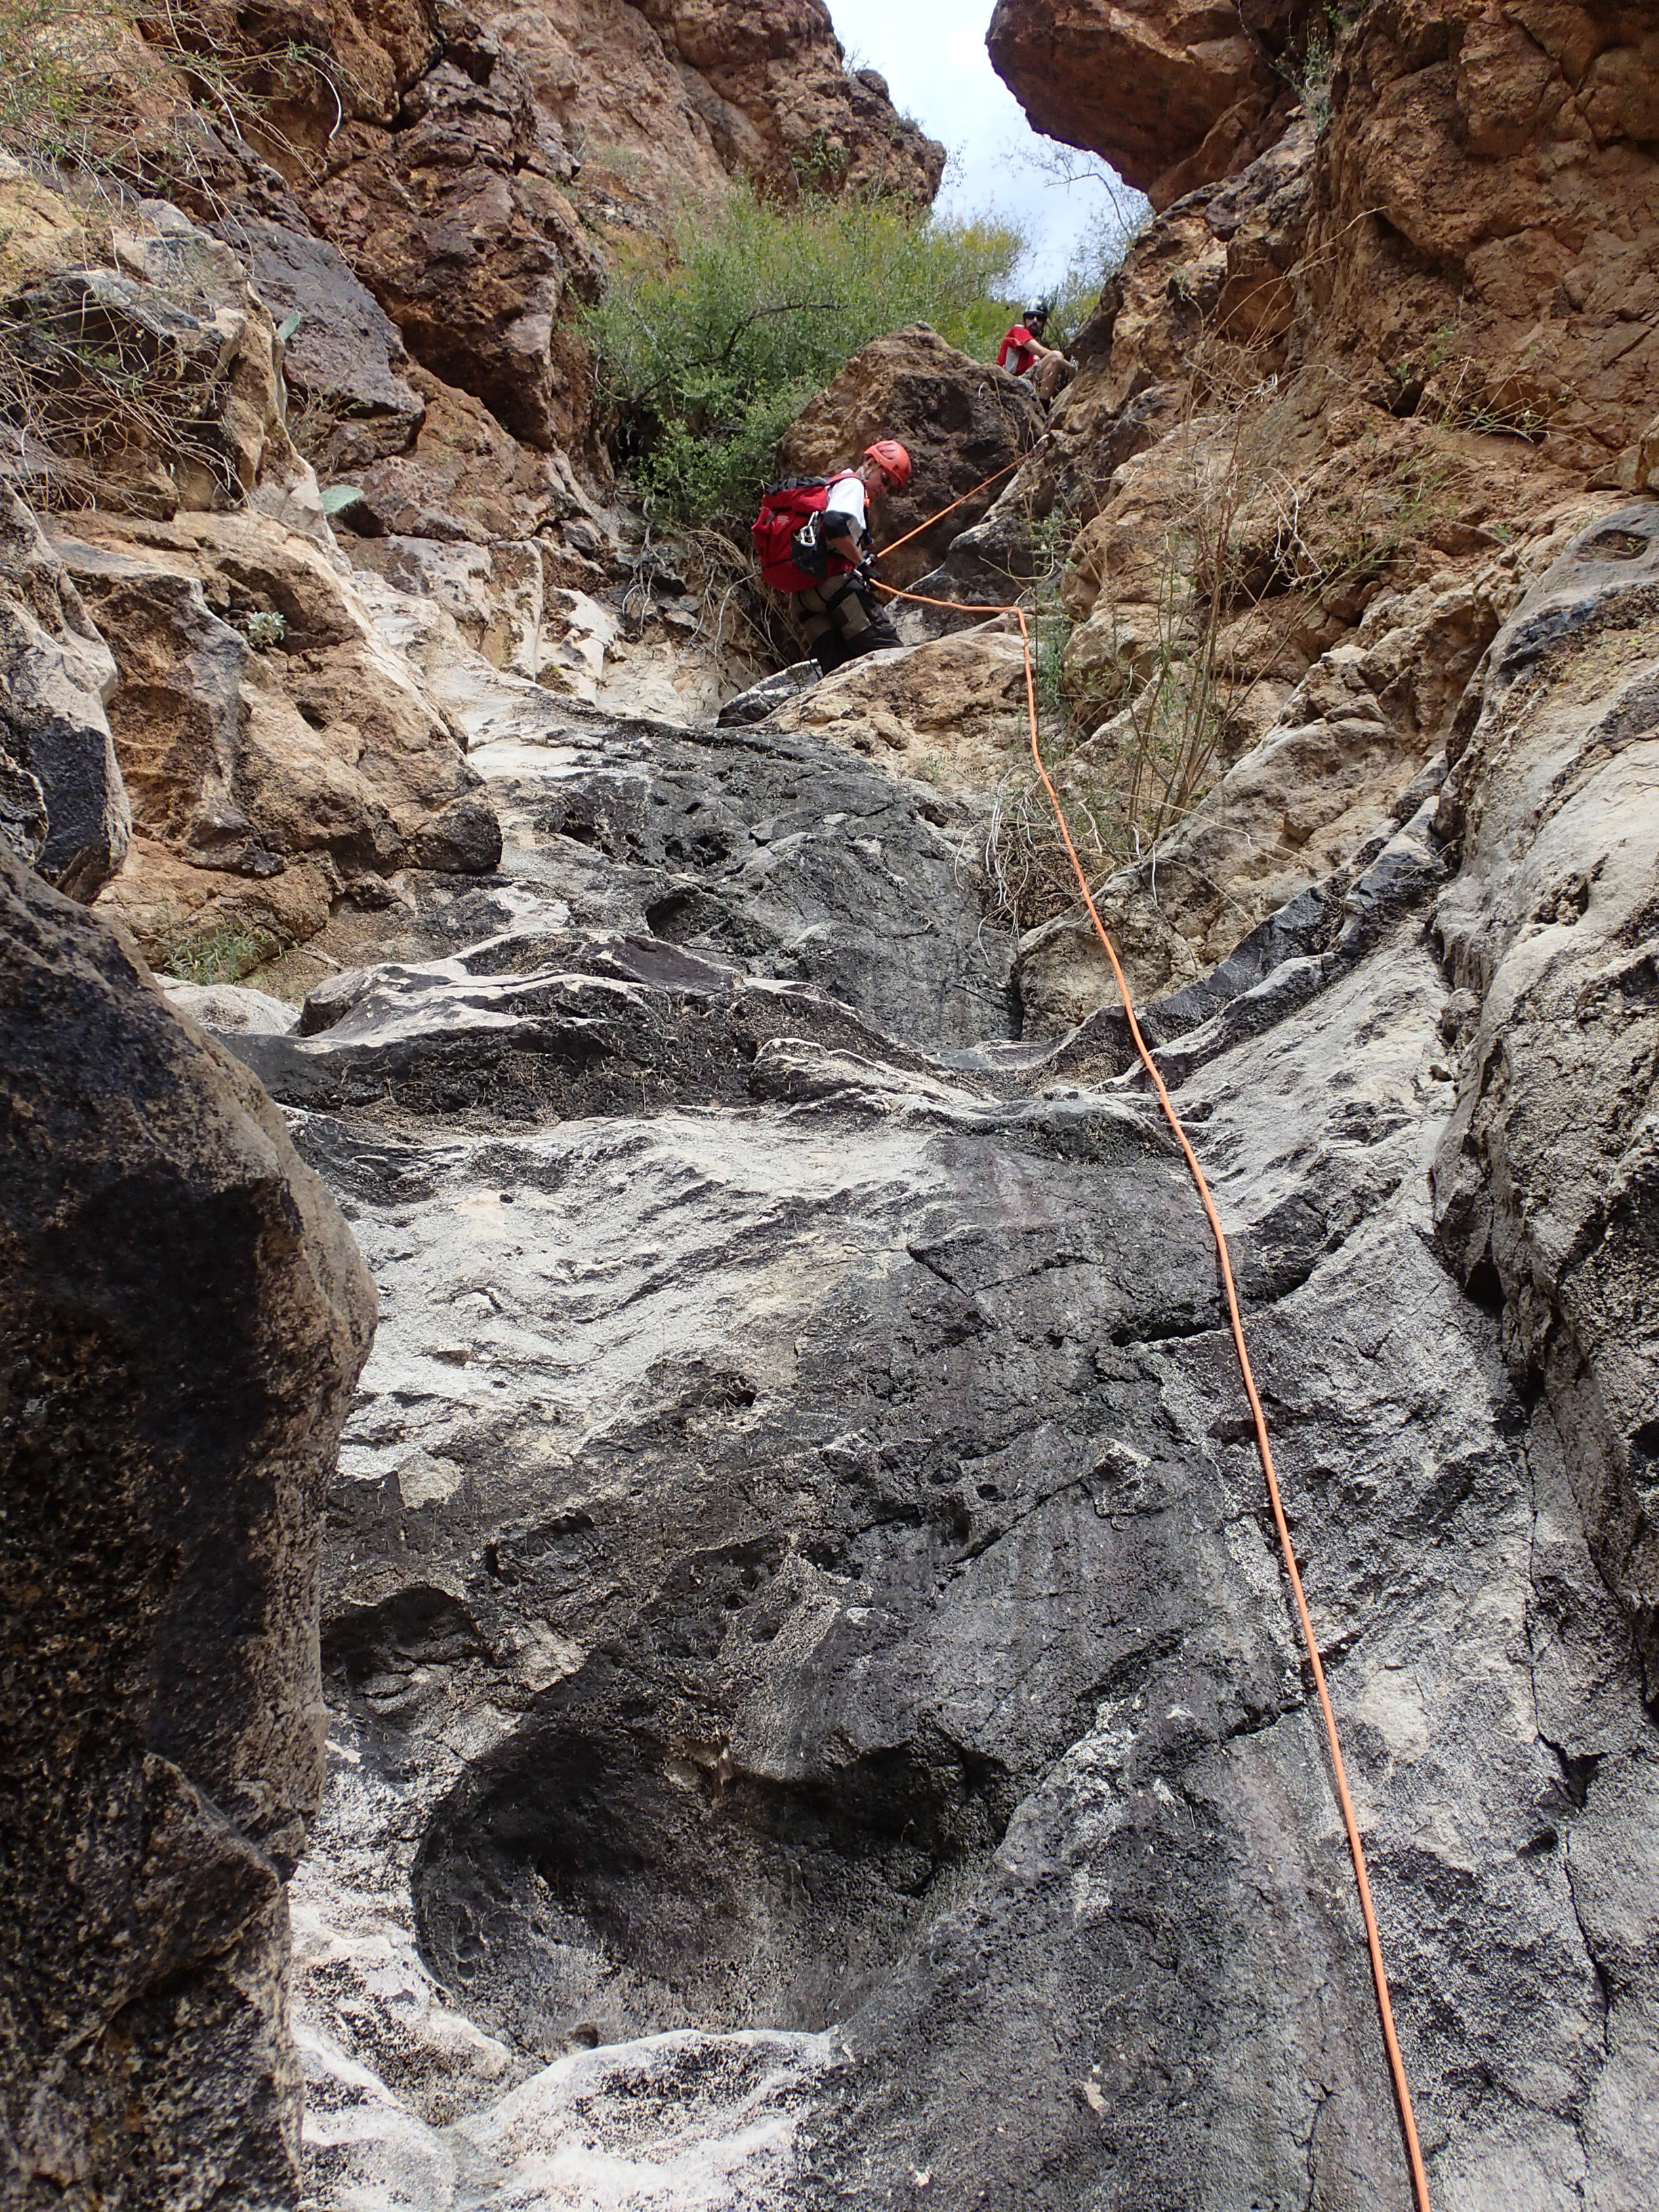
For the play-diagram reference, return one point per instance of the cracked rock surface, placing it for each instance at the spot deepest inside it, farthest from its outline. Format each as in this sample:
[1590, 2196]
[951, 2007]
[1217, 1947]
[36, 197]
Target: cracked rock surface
[182, 1315]
[817, 1717]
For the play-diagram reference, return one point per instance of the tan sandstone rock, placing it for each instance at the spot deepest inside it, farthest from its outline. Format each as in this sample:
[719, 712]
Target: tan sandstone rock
[1172, 92]
[465, 476]
[277, 751]
[145, 371]
[1350, 742]
[1488, 221]
[953, 710]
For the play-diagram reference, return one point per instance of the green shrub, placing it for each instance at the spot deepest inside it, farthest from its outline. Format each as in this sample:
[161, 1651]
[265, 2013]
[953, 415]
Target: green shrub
[704, 364]
[191, 954]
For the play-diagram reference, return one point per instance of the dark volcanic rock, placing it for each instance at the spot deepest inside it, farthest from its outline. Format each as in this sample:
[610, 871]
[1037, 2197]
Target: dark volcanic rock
[183, 1315]
[552, 1025]
[58, 673]
[845, 1510]
[792, 859]
[344, 356]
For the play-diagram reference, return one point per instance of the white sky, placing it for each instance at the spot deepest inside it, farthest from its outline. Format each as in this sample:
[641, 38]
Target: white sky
[932, 53]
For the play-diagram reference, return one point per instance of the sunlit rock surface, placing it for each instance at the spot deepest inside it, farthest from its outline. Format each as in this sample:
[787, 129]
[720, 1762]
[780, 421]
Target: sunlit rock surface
[815, 1700]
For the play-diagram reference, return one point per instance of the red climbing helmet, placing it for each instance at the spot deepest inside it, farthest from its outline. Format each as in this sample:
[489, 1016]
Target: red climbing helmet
[890, 456]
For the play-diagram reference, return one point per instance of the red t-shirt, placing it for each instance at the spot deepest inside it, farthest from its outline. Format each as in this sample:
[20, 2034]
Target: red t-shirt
[1020, 344]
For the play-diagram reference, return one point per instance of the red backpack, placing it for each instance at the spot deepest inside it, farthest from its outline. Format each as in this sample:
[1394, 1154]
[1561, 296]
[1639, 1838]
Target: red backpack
[789, 543]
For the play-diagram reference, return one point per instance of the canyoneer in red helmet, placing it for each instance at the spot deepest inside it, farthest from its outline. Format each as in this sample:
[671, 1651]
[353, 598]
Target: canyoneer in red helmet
[812, 542]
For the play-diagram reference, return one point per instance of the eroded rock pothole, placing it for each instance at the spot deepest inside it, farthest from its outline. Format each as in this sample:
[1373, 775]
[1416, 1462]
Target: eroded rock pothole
[611, 1883]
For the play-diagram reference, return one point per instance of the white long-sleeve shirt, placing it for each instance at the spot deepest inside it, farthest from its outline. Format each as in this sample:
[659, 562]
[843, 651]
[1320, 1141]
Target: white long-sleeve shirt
[850, 498]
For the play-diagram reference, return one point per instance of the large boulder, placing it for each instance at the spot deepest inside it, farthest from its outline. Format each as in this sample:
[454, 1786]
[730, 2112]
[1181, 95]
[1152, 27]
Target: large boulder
[961, 421]
[1173, 92]
[278, 753]
[58, 675]
[952, 708]
[184, 1314]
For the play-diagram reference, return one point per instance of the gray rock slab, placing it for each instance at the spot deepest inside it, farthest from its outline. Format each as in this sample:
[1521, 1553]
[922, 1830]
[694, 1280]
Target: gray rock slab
[1546, 1191]
[812, 1676]
[753, 846]
[807, 1566]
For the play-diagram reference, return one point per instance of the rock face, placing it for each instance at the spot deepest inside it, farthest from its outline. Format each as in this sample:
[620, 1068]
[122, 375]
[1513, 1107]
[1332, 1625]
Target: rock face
[1173, 92]
[671, 97]
[1484, 286]
[466, 480]
[814, 1700]
[145, 381]
[279, 755]
[344, 359]
[1550, 932]
[75, 824]
[458, 224]
[1330, 424]
[184, 1314]
[464, 164]
[420, 186]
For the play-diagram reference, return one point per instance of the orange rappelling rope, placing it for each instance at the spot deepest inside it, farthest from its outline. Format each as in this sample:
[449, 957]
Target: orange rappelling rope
[940, 516]
[1379, 1972]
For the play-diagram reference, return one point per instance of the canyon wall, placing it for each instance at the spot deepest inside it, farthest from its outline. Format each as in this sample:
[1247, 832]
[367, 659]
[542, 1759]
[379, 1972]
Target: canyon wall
[341, 273]
[257, 271]
[813, 1714]
[1361, 387]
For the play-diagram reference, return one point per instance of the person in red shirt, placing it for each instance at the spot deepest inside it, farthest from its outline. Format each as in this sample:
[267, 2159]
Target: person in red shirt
[1024, 353]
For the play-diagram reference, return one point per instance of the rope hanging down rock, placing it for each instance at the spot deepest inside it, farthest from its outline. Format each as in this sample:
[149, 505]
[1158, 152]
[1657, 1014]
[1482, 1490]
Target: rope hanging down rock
[961, 501]
[1338, 1771]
